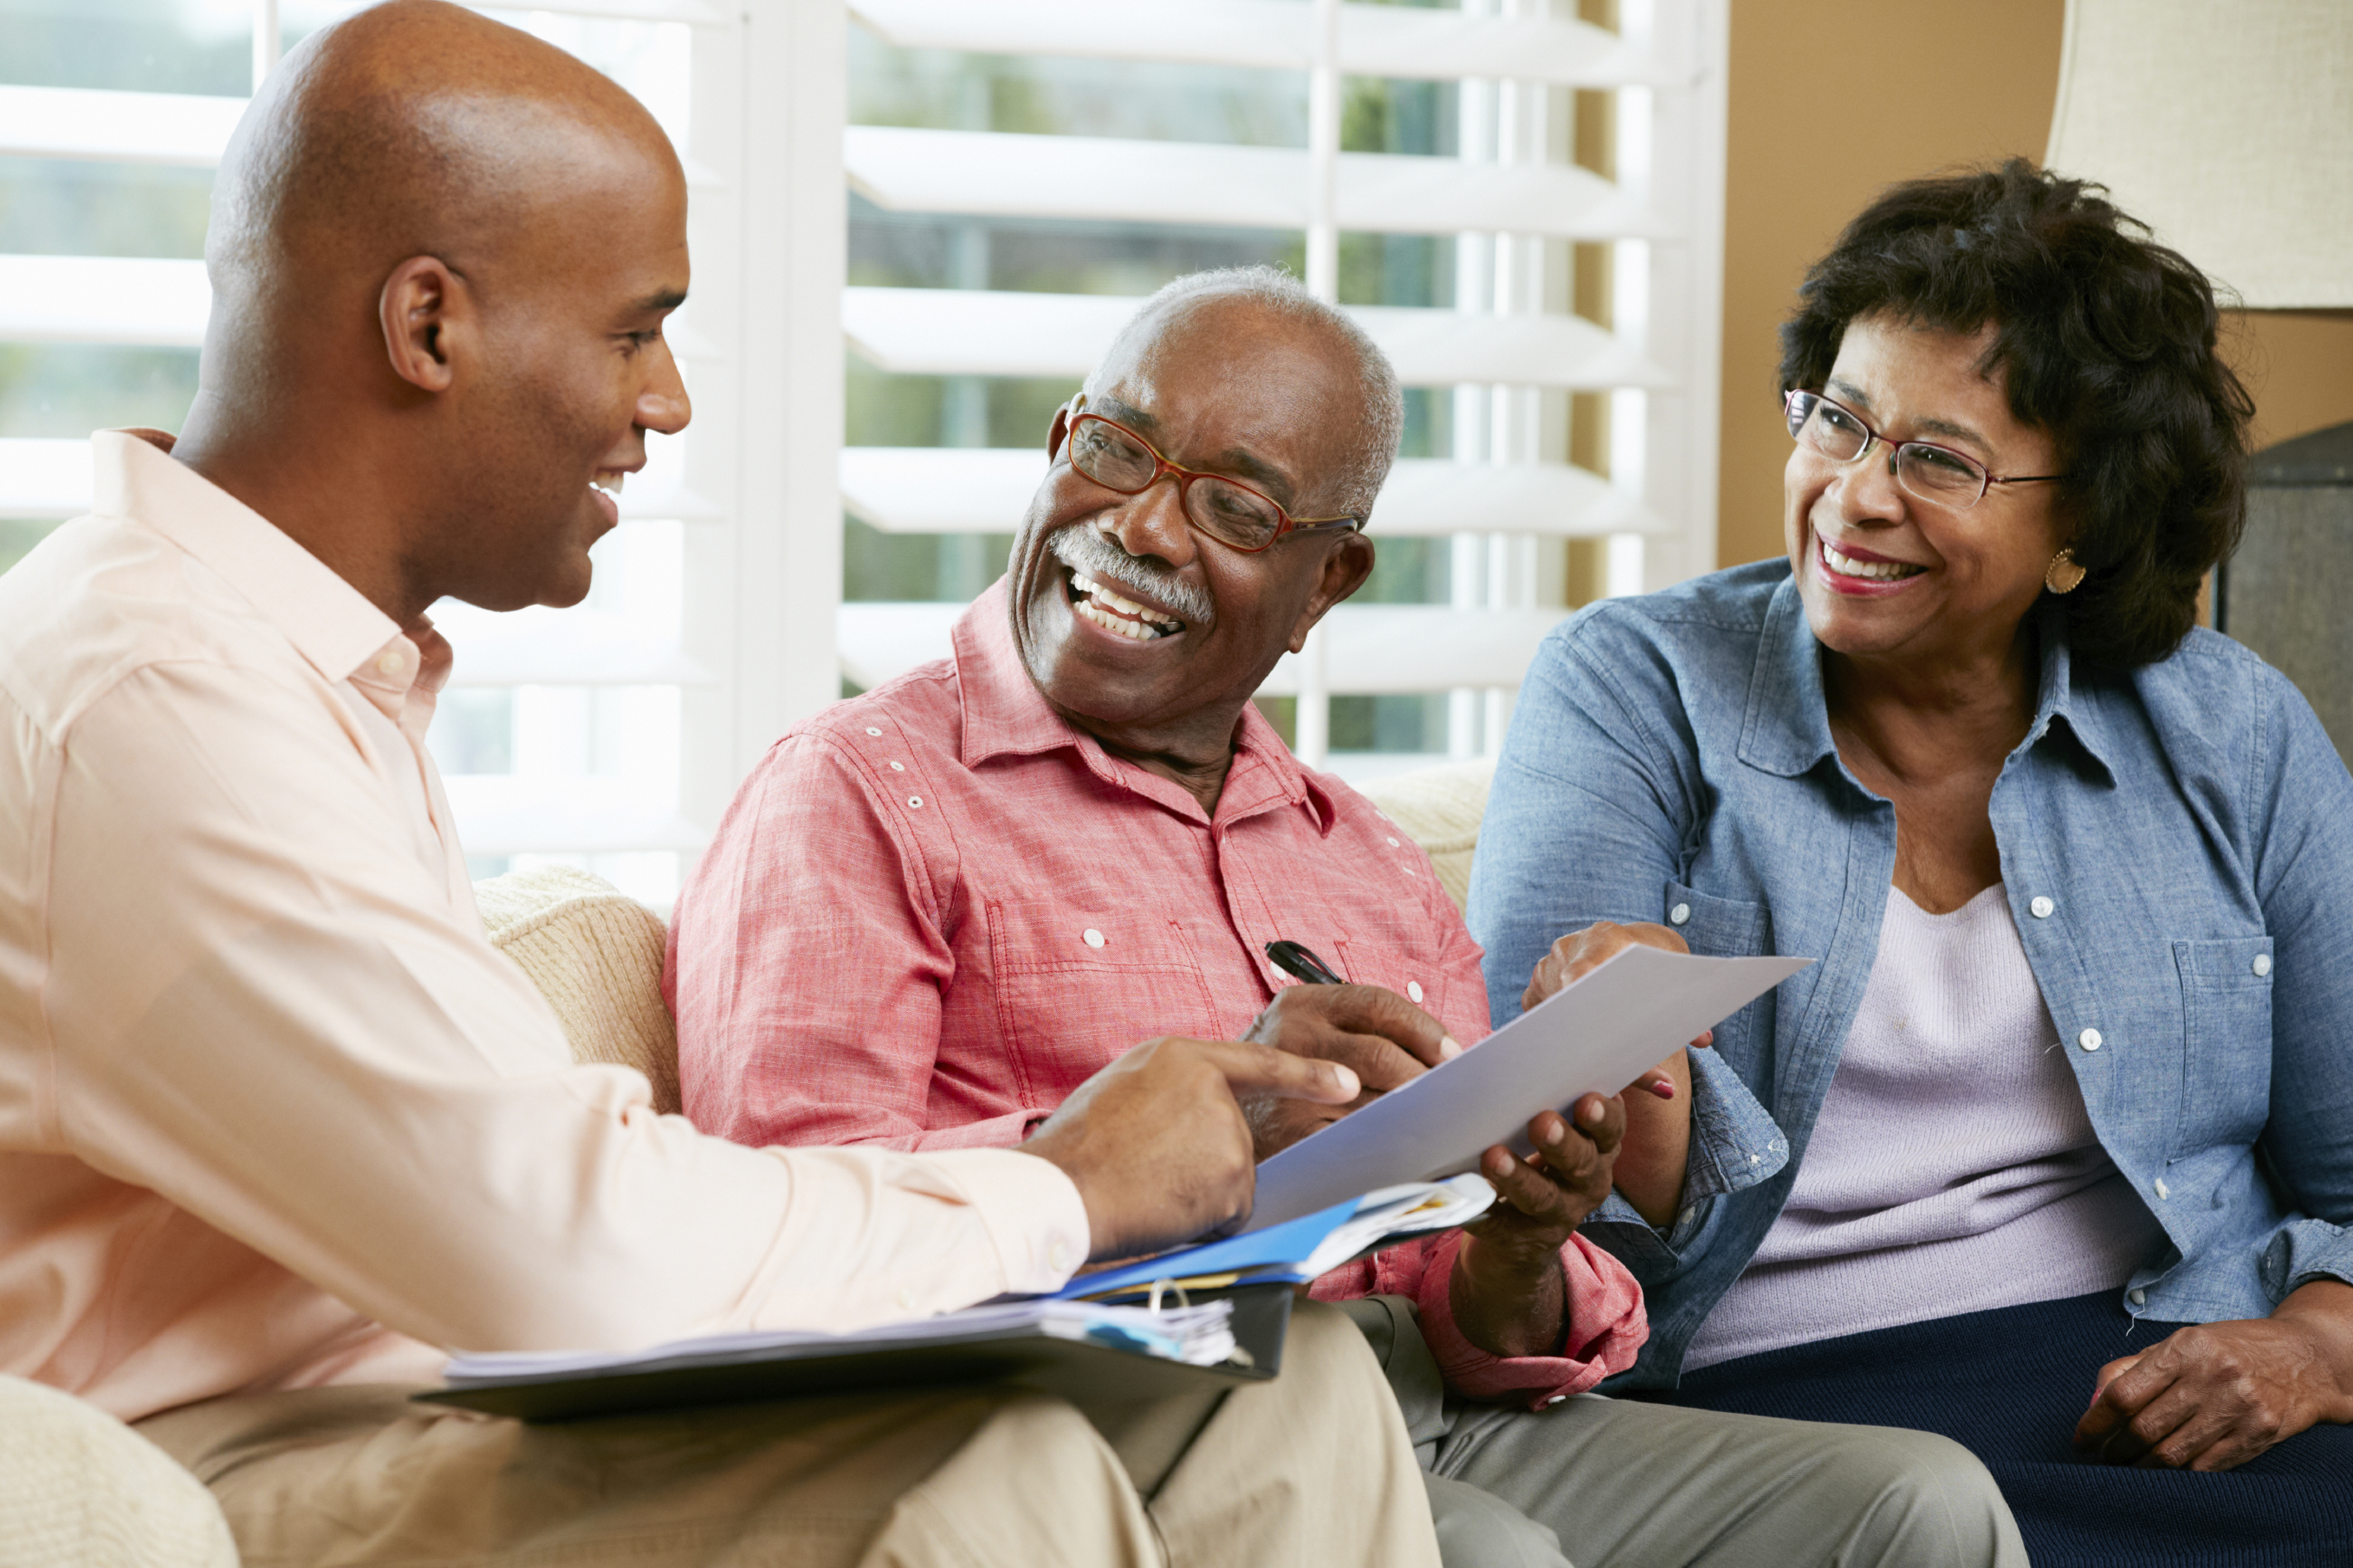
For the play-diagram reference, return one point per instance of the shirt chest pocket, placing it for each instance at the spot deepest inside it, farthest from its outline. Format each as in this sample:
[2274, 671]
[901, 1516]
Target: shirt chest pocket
[1724, 928]
[1078, 986]
[2226, 1041]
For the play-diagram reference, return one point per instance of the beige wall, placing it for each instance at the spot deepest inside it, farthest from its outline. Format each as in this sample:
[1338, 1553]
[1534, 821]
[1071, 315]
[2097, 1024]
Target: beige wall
[1829, 103]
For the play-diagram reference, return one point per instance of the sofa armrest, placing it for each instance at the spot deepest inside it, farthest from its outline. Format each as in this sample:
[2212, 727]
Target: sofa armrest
[81, 1489]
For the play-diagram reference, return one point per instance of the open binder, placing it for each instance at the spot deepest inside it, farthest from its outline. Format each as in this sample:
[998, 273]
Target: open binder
[1198, 1318]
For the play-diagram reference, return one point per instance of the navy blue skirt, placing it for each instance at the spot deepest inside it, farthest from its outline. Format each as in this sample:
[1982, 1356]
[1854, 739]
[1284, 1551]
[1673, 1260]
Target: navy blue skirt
[2009, 1386]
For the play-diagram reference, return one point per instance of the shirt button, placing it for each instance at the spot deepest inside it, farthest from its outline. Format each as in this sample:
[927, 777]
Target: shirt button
[898, 767]
[2089, 1039]
[873, 731]
[1092, 937]
[1679, 915]
[2041, 909]
[2263, 964]
[906, 1300]
[1413, 989]
[1058, 1257]
[2139, 1297]
[2162, 1190]
[392, 661]
[915, 800]
[1393, 843]
[1555, 1399]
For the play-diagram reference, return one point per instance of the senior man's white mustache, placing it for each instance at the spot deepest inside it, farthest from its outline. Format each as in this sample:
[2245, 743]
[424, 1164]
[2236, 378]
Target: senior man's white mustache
[1083, 547]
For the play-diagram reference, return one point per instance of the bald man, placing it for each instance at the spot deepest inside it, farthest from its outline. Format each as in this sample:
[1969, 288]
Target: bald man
[278, 1129]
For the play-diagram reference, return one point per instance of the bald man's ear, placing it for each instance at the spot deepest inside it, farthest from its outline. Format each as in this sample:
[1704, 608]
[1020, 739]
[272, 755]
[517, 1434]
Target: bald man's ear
[423, 306]
[1347, 564]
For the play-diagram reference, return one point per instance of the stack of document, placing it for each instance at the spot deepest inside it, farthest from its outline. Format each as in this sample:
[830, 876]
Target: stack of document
[1056, 1345]
[1198, 1336]
[1299, 1249]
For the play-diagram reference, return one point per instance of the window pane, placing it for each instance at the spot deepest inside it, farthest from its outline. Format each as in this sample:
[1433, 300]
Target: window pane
[1136, 100]
[59, 206]
[67, 390]
[132, 45]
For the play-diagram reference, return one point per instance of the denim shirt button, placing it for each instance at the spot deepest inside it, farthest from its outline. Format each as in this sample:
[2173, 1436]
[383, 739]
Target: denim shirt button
[2089, 1039]
[2140, 1298]
[2162, 1190]
[2041, 909]
[2262, 964]
[1679, 915]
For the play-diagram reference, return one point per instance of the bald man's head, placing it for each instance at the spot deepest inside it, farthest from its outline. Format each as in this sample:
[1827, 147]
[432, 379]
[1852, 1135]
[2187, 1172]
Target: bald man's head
[446, 250]
[415, 128]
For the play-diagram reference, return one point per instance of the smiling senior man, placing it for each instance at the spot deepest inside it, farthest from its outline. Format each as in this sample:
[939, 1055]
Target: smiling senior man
[934, 909]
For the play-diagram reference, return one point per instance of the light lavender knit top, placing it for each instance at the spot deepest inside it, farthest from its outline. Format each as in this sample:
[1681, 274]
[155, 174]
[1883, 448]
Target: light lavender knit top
[1952, 1168]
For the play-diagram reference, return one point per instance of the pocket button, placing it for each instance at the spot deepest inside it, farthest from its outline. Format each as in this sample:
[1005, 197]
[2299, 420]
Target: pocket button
[1679, 915]
[2262, 964]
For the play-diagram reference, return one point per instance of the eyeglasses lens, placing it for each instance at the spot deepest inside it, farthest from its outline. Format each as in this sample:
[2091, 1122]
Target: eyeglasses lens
[1105, 454]
[1242, 518]
[1934, 474]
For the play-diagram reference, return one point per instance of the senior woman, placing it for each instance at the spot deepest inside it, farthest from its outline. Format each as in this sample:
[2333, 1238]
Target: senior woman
[2066, 1099]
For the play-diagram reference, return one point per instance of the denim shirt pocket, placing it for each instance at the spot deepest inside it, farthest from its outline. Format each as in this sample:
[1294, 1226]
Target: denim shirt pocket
[2226, 1040]
[1724, 928]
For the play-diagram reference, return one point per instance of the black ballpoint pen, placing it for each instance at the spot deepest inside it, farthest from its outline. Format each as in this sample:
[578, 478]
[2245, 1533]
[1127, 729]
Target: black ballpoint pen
[1300, 965]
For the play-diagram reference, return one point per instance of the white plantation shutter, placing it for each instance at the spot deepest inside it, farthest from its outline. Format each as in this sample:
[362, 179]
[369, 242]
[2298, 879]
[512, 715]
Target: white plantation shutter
[612, 734]
[1510, 200]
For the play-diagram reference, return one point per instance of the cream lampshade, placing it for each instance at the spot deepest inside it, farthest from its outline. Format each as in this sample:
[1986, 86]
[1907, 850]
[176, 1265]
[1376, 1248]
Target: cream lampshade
[2227, 127]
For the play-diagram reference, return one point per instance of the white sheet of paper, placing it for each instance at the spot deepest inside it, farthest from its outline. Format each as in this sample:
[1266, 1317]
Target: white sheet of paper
[1593, 1038]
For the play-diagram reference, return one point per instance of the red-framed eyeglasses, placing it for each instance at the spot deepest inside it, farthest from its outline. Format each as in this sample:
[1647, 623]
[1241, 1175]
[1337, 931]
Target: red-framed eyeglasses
[1227, 510]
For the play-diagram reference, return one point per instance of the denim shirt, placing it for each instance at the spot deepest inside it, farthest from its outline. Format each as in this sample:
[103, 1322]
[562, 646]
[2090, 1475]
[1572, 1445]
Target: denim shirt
[2177, 848]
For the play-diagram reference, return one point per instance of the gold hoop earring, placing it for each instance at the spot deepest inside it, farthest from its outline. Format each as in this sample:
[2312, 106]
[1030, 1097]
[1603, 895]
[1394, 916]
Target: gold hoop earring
[2064, 575]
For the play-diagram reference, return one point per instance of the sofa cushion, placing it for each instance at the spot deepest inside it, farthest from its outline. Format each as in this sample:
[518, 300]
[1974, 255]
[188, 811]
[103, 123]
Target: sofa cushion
[81, 1489]
[1439, 808]
[596, 954]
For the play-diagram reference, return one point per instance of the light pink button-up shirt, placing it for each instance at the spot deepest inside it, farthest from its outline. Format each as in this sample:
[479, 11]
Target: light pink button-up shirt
[272, 1113]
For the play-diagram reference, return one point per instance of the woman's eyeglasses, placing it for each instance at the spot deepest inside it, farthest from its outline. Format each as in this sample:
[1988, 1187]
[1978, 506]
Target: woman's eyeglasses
[1933, 473]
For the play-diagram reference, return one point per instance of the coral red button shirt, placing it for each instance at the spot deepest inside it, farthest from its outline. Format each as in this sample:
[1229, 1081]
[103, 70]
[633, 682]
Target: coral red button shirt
[935, 910]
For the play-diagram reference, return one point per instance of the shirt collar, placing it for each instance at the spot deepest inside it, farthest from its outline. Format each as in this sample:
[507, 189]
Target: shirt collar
[330, 624]
[1786, 730]
[1005, 714]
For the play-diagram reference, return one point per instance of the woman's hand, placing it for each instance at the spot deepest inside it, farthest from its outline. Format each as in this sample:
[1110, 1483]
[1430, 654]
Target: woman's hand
[1507, 1290]
[2216, 1395]
[1657, 1147]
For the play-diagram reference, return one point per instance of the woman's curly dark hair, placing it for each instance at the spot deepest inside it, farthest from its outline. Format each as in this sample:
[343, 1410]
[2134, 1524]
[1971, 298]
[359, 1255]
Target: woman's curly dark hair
[2107, 342]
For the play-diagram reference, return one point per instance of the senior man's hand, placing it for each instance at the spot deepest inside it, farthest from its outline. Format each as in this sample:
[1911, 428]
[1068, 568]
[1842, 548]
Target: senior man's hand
[1507, 1292]
[1156, 1145]
[1657, 1147]
[2215, 1395]
[1378, 1034]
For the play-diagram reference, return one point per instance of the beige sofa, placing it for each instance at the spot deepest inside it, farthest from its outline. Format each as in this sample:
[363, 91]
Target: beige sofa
[81, 1489]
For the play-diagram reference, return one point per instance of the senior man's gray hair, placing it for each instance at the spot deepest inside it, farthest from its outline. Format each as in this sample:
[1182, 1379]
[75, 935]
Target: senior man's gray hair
[1382, 420]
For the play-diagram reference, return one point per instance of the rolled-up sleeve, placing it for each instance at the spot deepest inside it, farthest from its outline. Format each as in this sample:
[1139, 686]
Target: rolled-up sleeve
[259, 1006]
[1605, 1330]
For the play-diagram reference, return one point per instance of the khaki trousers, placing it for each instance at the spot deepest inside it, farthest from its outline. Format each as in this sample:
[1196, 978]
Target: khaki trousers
[1615, 1483]
[1315, 1466]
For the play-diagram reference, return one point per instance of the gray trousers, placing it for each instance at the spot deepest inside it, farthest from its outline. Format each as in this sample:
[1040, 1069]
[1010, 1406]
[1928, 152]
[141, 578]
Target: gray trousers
[1610, 1483]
